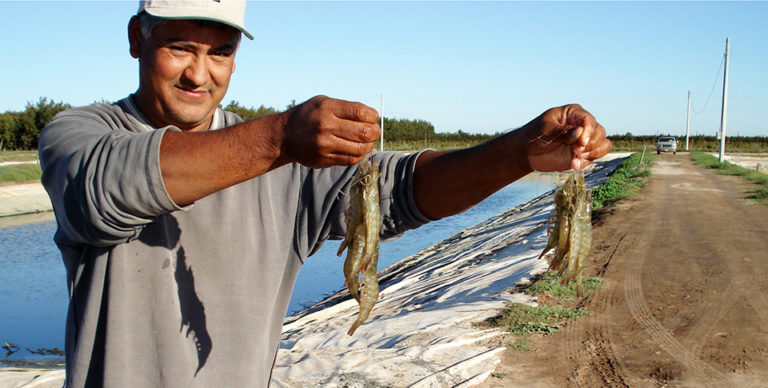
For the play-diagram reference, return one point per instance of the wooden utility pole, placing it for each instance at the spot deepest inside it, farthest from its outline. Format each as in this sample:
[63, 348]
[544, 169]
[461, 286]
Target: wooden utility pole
[724, 109]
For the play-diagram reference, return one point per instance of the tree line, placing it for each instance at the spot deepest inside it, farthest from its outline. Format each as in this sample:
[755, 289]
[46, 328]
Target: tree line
[630, 142]
[21, 130]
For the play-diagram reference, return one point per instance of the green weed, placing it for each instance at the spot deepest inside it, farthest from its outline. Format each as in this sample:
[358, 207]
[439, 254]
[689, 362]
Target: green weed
[520, 345]
[521, 319]
[549, 283]
[628, 177]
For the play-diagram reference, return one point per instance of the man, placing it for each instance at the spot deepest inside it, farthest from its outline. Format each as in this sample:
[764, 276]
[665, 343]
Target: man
[182, 227]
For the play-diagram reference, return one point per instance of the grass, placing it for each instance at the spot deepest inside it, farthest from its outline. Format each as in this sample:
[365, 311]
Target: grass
[624, 182]
[17, 156]
[552, 312]
[760, 195]
[521, 319]
[20, 173]
[549, 283]
[520, 345]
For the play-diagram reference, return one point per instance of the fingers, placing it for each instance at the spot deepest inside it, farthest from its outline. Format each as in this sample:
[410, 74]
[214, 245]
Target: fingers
[594, 147]
[355, 111]
[324, 132]
[579, 125]
[347, 120]
[565, 137]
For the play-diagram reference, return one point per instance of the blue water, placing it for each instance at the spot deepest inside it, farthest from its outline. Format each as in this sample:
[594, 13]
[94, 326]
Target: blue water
[33, 293]
[33, 290]
[322, 273]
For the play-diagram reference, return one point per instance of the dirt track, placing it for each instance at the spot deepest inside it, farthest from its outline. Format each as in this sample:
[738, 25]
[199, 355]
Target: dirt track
[685, 301]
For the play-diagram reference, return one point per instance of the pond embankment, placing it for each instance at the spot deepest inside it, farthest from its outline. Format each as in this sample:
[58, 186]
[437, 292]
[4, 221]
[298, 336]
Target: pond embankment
[422, 331]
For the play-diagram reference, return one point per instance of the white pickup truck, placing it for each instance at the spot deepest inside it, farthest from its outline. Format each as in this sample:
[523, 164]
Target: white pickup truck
[666, 144]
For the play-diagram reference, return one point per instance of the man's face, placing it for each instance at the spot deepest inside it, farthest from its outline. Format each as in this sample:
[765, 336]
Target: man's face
[184, 72]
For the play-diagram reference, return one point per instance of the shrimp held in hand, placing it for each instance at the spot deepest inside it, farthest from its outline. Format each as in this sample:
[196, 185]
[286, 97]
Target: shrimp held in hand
[570, 229]
[363, 220]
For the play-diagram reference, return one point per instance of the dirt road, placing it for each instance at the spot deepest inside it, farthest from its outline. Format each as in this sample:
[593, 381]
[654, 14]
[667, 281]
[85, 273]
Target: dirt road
[685, 301]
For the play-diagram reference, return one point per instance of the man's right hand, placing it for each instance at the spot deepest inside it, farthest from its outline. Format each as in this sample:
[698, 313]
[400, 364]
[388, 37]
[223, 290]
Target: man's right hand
[321, 132]
[324, 132]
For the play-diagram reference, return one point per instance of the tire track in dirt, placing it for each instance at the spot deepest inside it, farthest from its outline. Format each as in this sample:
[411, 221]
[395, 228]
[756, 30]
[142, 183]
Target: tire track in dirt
[633, 291]
[754, 261]
[721, 302]
[587, 341]
[685, 301]
[751, 243]
[759, 302]
[670, 218]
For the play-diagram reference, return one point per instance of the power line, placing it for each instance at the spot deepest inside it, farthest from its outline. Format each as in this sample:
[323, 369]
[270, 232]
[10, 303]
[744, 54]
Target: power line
[717, 77]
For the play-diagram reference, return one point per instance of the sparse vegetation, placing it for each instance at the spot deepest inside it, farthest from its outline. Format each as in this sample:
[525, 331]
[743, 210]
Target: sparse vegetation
[549, 283]
[521, 319]
[628, 177]
[760, 194]
[555, 307]
[520, 345]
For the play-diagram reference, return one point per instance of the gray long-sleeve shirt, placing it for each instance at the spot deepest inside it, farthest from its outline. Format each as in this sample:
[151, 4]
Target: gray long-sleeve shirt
[190, 297]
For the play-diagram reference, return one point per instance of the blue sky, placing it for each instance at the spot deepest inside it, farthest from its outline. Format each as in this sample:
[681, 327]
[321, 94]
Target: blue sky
[475, 66]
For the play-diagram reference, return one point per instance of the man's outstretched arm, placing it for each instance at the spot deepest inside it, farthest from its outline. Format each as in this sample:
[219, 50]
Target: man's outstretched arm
[449, 182]
[321, 132]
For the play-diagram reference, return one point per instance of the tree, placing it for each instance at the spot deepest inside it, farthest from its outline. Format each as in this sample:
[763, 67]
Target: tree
[21, 130]
[249, 113]
[407, 130]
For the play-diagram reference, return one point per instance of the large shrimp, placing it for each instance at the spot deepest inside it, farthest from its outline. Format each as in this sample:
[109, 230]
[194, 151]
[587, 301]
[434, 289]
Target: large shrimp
[570, 229]
[363, 220]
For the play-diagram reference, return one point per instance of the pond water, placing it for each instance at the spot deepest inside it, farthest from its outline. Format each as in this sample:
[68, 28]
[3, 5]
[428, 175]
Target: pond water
[33, 293]
[322, 273]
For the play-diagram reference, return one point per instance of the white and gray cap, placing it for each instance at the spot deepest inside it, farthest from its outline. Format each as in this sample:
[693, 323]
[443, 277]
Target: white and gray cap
[229, 12]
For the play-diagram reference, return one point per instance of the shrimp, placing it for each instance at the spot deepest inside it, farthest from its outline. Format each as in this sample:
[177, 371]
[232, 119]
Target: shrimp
[363, 220]
[570, 229]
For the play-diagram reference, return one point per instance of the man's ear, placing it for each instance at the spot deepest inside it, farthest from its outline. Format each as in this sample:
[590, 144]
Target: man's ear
[134, 37]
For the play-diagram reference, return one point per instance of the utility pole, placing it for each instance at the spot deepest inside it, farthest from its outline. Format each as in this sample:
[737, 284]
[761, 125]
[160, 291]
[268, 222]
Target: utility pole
[381, 143]
[688, 121]
[724, 109]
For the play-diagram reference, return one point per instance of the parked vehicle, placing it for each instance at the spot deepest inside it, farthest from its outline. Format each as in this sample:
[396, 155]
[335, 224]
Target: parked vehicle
[666, 144]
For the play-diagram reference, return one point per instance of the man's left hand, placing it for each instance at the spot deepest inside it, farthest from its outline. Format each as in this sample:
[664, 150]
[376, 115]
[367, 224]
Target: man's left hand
[563, 138]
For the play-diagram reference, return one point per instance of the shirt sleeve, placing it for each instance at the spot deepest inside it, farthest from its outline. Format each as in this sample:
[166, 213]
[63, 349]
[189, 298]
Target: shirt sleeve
[104, 180]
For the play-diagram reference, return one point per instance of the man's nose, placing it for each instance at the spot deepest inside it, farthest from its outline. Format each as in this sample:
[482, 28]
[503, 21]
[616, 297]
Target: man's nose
[196, 72]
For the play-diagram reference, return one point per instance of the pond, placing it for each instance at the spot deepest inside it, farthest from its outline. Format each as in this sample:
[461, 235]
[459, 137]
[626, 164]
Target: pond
[33, 293]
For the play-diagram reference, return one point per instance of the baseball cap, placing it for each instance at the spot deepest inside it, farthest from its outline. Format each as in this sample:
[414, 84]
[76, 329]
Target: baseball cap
[229, 12]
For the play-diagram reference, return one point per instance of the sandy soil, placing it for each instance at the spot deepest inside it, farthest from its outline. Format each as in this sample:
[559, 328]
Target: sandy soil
[686, 296]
